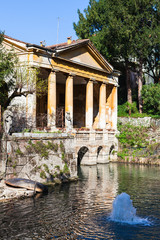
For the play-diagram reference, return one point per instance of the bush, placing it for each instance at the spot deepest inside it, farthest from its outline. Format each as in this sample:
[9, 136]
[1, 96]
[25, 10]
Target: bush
[123, 110]
[132, 136]
[151, 98]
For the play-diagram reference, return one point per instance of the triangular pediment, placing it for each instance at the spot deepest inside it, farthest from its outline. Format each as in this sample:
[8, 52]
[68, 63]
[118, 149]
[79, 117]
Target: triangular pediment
[82, 56]
[85, 54]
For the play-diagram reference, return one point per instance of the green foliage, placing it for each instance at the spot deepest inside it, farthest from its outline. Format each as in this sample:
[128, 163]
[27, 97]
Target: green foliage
[120, 28]
[14, 164]
[134, 141]
[123, 110]
[40, 148]
[122, 154]
[131, 107]
[52, 146]
[62, 148]
[153, 148]
[17, 79]
[43, 175]
[66, 169]
[7, 62]
[57, 167]
[9, 159]
[19, 152]
[132, 136]
[46, 168]
[126, 33]
[43, 149]
[26, 130]
[63, 156]
[151, 99]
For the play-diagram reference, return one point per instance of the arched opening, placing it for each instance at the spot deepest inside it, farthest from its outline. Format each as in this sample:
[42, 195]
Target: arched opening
[111, 149]
[111, 152]
[82, 151]
[98, 150]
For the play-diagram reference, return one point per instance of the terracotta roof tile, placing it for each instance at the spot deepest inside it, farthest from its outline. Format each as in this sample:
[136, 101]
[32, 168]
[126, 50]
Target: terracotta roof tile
[5, 36]
[65, 44]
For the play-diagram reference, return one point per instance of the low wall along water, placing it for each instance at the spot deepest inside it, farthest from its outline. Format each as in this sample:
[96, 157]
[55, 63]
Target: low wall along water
[149, 154]
[40, 157]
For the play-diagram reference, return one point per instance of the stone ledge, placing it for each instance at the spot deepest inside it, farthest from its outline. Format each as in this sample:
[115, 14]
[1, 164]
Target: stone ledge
[8, 193]
[42, 135]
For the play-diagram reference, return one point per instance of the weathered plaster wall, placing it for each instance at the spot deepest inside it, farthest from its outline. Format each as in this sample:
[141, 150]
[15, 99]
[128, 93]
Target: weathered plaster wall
[39, 157]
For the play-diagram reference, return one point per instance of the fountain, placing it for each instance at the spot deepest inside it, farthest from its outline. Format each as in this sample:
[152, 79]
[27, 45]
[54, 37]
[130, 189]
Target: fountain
[124, 212]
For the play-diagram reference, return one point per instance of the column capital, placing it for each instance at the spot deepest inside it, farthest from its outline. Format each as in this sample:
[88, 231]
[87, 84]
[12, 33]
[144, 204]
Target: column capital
[73, 74]
[92, 79]
[54, 70]
[69, 74]
[104, 82]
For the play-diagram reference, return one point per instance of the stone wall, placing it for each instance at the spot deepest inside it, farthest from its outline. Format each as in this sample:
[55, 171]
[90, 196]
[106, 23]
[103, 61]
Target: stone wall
[146, 121]
[152, 160]
[38, 156]
[149, 155]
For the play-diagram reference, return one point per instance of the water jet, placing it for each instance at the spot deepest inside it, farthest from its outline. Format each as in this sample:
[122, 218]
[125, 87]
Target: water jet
[124, 212]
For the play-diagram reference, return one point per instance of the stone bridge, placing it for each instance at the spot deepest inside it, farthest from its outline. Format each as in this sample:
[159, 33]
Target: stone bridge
[92, 147]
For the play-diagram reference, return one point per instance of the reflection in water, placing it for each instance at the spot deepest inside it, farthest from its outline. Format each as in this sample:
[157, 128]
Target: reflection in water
[80, 210]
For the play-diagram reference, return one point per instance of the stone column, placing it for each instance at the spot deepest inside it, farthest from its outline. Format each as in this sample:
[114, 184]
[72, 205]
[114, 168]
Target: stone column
[114, 108]
[102, 106]
[69, 102]
[89, 104]
[51, 112]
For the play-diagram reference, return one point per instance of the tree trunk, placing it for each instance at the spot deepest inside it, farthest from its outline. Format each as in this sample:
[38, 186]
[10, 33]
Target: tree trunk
[140, 75]
[128, 83]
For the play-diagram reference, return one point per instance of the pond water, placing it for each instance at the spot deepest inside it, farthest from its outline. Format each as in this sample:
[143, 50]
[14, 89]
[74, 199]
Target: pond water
[81, 210]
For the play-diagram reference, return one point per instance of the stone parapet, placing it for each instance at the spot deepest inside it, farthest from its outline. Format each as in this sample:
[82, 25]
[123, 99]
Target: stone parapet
[38, 156]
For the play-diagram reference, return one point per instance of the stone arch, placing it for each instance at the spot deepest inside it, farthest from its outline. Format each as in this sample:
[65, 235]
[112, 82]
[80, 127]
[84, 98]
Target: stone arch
[98, 150]
[81, 153]
[102, 154]
[111, 150]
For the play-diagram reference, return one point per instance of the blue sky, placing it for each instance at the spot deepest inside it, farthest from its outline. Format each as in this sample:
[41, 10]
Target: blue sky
[33, 21]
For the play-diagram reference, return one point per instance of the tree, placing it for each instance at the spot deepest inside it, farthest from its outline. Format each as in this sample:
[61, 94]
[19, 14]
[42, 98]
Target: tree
[7, 62]
[125, 31]
[151, 98]
[17, 79]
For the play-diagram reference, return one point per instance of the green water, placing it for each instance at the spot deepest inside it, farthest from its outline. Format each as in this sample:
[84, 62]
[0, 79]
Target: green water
[81, 210]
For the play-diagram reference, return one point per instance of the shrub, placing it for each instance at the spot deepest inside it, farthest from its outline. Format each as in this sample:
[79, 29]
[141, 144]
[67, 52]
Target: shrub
[123, 110]
[132, 136]
[151, 98]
